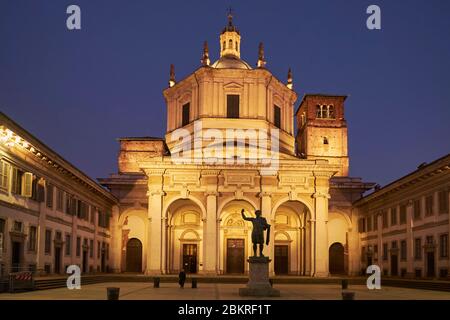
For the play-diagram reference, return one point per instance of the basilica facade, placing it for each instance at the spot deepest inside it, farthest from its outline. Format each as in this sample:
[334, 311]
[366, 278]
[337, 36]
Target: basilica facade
[231, 144]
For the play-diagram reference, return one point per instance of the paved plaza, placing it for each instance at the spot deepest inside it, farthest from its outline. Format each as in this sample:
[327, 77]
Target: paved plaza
[219, 291]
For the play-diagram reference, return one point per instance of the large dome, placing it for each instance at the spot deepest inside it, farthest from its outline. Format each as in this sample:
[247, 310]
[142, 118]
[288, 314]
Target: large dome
[231, 62]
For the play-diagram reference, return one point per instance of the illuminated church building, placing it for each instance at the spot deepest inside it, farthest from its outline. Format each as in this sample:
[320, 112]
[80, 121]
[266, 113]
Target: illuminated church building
[187, 215]
[230, 144]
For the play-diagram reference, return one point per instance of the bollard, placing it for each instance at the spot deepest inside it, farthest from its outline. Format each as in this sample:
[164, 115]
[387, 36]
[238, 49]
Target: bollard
[112, 293]
[348, 295]
[194, 283]
[156, 282]
[344, 284]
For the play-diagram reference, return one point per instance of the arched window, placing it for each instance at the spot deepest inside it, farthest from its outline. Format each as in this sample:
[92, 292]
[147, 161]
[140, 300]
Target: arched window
[223, 46]
[230, 44]
[318, 111]
[236, 46]
[330, 112]
[325, 140]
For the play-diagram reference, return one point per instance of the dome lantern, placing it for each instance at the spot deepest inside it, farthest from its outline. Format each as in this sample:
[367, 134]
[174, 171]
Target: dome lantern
[230, 39]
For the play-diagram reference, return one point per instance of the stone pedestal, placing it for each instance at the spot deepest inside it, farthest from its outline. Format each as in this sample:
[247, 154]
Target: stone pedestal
[258, 283]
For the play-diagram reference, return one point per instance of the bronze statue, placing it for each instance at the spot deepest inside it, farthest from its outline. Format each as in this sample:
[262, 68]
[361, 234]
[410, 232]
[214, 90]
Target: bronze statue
[259, 225]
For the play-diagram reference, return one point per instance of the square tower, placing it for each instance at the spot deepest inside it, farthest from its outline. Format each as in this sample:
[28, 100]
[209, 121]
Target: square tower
[322, 130]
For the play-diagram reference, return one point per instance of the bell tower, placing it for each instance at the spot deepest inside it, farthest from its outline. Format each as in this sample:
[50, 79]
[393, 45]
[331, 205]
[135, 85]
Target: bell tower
[322, 130]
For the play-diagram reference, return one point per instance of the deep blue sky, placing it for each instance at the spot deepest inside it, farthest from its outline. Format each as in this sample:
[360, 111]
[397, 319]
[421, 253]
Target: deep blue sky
[79, 91]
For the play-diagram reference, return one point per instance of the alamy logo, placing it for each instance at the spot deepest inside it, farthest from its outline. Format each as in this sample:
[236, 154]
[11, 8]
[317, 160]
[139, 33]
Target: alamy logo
[374, 20]
[228, 146]
[73, 21]
[374, 280]
[74, 280]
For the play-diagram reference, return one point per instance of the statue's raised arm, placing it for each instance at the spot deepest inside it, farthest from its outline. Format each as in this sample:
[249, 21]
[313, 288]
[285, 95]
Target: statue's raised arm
[244, 217]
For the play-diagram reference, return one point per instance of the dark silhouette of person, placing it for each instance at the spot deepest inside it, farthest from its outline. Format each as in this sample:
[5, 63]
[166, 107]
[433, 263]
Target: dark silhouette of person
[259, 225]
[182, 278]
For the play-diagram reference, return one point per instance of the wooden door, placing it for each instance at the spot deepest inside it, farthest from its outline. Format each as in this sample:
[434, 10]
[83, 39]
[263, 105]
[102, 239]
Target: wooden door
[336, 258]
[281, 259]
[133, 257]
[235, 255]
[190, 258]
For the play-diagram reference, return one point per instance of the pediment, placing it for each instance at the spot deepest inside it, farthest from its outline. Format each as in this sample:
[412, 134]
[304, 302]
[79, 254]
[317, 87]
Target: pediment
[233, 85]
[185, 97]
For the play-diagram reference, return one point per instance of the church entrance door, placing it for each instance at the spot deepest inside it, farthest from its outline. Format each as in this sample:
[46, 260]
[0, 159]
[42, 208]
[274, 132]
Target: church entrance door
[190, 258]
[134, 255]
[336, 258]
[235, 255]
[281, 259]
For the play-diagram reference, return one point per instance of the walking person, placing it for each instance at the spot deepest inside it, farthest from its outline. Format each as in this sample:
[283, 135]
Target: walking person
[182, 278]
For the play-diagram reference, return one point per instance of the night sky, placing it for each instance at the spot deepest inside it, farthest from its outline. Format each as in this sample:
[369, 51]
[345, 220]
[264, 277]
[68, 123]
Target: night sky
[78, 91]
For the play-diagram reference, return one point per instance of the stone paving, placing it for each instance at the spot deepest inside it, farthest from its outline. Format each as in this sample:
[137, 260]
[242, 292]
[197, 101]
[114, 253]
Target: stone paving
[219, 291]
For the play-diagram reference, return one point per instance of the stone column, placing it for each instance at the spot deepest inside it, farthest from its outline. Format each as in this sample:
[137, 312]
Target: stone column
[409, 241]
[312, 246]
[116, 241]
[218, 251]
[209, 180]
[354, 260]
[73, 257]
[155, 215]
[321, 229]
[299, 250]
[164, 244]
[210, 230]
[379, 241]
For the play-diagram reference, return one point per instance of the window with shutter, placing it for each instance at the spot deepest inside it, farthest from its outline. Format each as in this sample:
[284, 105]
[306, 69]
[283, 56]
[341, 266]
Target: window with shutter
[403, 214]
[417, 211]
[27, 184]
[48, 242]
[4, 175]
[93, 209]
[59, 200]
[417, 248]
[429, 205]
[68, 203]
[40, 197]
[91, 248]
[68, 244]
[443, 201]
[393, 216]
[32, 238]
[73, 207]
[15, 181]
[403, 250]
[79, 209]
[49, 196]
[443, 246]
[78, 249]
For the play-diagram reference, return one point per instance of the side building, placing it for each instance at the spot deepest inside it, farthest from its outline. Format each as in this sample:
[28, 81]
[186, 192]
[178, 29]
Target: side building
[51, 214]
[404, 226]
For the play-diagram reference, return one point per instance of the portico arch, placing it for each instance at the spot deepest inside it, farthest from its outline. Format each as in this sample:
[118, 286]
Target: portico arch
[184, 236]
[292, 233]
[339, 229]
[132, 224]
[235, 236]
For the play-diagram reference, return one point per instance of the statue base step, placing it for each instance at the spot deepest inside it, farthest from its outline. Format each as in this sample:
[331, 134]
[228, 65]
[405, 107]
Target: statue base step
[258, 283]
